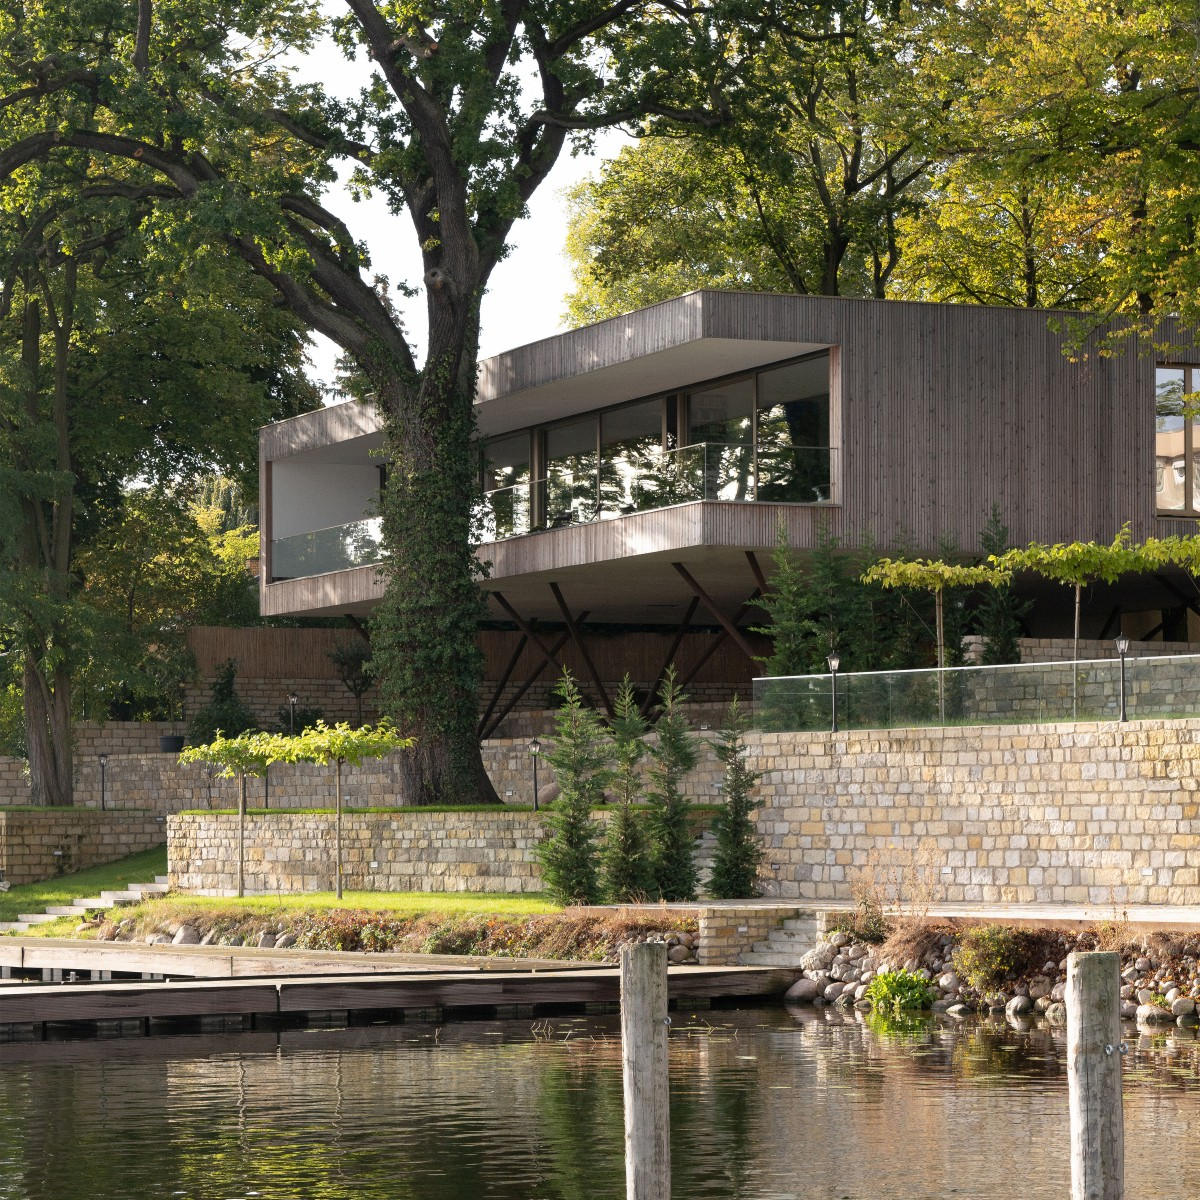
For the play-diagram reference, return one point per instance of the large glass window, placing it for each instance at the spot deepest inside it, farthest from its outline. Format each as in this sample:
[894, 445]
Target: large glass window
[506, 478]
[1176, 440]
[631, 458]
[793, 433]
[571, 483]
[719, 455]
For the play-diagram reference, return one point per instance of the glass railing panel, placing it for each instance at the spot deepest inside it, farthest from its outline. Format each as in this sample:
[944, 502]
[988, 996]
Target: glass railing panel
[569, 498]
[1019, 693]
[356, 544]
[796, 475]
[505, 512]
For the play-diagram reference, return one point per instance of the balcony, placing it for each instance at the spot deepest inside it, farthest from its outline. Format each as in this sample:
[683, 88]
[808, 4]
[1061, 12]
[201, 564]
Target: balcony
[579, 493]
[356, 544]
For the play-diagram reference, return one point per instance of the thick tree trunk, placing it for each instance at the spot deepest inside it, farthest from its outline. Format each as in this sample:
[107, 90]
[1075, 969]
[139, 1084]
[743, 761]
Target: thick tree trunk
[48, 736]
[423, 634]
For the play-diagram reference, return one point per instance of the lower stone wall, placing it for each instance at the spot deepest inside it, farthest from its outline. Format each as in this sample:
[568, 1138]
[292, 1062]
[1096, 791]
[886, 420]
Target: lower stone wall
[1104, 813]
[402, 852]
[40, 844]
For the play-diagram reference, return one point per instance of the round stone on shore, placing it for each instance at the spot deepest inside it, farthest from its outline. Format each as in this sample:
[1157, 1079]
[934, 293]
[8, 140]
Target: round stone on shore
[803, 991]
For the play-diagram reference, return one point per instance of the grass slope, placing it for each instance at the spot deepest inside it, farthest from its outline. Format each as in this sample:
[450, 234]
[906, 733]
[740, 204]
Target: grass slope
[62, 889]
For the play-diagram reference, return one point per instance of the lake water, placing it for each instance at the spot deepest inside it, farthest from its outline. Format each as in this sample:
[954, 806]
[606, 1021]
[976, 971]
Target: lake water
[766, 1105]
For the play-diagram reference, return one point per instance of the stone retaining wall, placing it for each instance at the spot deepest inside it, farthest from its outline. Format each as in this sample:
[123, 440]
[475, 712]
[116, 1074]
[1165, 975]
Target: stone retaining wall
[42, 843]
[1085, 813]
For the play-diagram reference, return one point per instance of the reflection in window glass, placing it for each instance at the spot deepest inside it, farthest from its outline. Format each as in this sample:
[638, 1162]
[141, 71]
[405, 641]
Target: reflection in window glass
[719, 457]
[631, 458]
[506, 499]
[793, 433]
[571, 473]
[1172, 440]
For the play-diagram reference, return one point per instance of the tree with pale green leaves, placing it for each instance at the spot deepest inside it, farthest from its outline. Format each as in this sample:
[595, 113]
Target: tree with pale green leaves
[338, 746]
[239, 757]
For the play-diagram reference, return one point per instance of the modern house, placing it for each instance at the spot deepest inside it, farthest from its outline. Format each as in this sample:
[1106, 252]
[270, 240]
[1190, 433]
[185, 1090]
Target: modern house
[640, 469]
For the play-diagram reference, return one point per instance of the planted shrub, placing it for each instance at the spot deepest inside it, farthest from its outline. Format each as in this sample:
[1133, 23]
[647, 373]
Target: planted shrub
[225, 713]
[899, 992]
[580, 758]
[670, 760]
[738, 854]
[986, 955]
[625, 861]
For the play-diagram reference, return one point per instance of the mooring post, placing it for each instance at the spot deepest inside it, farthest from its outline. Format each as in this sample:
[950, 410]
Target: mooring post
[644, 1026]
[1093, 1000]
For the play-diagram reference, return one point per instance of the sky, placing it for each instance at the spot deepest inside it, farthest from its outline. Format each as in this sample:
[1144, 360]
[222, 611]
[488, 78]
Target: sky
[526, 295]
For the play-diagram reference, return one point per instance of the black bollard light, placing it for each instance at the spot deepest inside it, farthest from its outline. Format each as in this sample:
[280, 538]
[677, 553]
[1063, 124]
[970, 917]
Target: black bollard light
[103, 763]
[535, 752]
[834, 661]
[1122, 650]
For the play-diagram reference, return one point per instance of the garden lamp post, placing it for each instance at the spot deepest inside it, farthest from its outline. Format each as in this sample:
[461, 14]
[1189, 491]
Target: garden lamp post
[535, 752]
[834, 661]
[293, 700]
[1122, 650]
[103, 763]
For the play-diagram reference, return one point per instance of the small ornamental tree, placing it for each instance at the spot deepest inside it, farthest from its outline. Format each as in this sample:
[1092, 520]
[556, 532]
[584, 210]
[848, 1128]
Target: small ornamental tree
[670, 760]
[625, 860]
[580, 758]
[246, 754]
[1000, 612]
[338, 745]
[735, 864]
[351, 659]
[225, 713]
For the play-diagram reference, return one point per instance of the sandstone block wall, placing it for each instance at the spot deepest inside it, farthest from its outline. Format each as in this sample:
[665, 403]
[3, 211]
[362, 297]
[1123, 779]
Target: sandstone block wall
[417, 852]
[1088, 813]
[40, 844]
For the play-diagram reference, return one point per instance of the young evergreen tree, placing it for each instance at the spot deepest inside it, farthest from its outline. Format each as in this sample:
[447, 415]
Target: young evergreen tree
[735, 864]
[670, 760]
[626, 871]
[1000, 611]
[580, 757]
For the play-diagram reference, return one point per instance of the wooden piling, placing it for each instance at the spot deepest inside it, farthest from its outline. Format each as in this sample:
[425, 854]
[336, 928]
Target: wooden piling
[1093, 1000]
[644, 1026]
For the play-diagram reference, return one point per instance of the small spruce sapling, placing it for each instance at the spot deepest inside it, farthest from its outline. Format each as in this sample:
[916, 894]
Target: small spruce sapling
[670, 761]
[625, 861]
[738, 854]
[580, 757]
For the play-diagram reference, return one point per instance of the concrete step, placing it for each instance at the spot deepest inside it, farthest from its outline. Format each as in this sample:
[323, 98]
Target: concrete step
[801, 925]
[158, 888]
[129, 896]
[165, 880]
[84, 902]
[13, 926]
[38, 918]
[64, 910]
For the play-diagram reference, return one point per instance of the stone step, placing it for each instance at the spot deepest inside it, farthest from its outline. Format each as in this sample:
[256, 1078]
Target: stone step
[13, 926]
[158, 888]
[64, 910]
[128, 896]
[769, 958]
[163, 879]
[85, 902]
[38, 918]
[801, 925]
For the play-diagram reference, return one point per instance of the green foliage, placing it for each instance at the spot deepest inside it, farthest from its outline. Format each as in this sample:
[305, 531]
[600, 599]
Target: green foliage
[225, 713]
[296, 720]
[580, 757]
[351, 659]
[999, 613]
[340, 743]
[12, 718]
[242, 755]
[986, 955]
[738, 853]
[671, 758]
[625, 868]
[898, 992]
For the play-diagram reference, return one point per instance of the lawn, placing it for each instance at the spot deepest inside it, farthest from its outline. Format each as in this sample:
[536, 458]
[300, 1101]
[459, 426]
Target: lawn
[62, 889]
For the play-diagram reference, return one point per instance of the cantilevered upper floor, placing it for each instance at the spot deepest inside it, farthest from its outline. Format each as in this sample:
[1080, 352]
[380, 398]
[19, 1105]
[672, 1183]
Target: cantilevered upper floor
[691, 432]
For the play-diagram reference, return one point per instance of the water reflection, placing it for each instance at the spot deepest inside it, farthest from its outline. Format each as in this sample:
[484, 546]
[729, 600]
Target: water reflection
[766, 1105]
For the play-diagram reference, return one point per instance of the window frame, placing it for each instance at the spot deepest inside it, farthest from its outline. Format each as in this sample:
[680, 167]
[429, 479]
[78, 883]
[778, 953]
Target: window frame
[1191, 445]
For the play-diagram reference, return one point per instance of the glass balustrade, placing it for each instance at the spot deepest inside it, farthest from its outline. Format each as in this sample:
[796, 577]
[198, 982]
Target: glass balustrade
[338, 548]
[619, 487]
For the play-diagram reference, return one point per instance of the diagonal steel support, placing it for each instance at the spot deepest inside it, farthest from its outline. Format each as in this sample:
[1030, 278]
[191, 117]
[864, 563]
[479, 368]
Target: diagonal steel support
[759, 577]
[529, 631]
[712, 607]
[502, 684]
[573, 630]
[698, 665]
[555, 649]
[652, 696]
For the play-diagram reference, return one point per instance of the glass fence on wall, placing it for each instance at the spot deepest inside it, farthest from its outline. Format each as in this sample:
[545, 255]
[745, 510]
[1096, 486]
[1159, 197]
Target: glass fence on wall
[1018, 693]
[762, 437]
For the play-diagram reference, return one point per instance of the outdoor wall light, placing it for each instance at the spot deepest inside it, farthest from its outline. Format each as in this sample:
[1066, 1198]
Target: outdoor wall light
[293, 700]
[103, 763]
[535, 752]
[1122, 650]
[834, 661]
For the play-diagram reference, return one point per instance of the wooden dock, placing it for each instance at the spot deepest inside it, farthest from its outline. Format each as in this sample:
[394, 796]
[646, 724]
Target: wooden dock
[438, 994]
